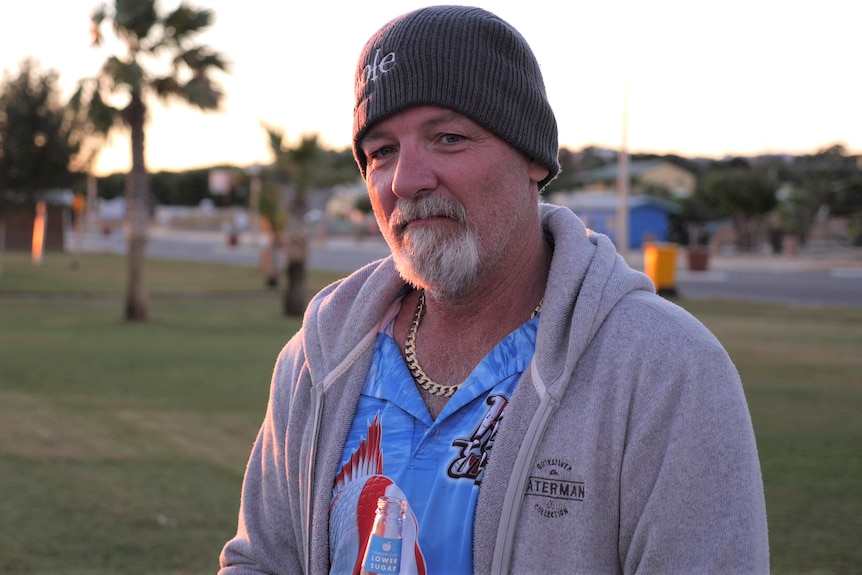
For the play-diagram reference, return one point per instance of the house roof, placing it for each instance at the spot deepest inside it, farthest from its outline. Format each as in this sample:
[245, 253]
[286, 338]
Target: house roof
[606, 201]
[609, 172]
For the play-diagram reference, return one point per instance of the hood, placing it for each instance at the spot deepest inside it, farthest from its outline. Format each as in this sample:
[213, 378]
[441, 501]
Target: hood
[588, 278]
[344, 313]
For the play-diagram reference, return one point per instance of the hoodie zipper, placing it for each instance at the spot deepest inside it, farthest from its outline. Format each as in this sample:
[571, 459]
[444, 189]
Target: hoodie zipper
[317, 393]
[317, 410]
[502, 557]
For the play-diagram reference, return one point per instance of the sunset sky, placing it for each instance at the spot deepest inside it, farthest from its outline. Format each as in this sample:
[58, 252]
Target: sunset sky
[701, 78]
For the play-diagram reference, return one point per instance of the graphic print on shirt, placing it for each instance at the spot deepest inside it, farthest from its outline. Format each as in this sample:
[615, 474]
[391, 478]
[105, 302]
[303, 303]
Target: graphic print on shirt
[366, 460]
[358, 485]
[552, 489]
[418, 451]
[476, 449]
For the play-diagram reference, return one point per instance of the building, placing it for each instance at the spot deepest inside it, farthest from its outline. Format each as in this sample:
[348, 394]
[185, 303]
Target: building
[648, 216]
[643, 174]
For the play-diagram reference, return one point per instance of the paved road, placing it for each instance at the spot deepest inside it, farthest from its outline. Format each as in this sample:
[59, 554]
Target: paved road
[820, 278]
[827, 278]
[335, 254]
[839, 288]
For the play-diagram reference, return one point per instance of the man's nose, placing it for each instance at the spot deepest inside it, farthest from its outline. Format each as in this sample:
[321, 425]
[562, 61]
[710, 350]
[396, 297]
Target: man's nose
[414, 173]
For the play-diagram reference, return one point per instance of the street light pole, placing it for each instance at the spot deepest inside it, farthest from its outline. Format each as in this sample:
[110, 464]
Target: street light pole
[623, 184]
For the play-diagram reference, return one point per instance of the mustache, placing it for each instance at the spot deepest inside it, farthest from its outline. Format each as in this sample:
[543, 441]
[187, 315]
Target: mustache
[408, 210]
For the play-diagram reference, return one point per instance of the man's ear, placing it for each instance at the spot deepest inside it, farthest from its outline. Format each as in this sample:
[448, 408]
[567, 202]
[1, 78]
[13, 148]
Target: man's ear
[538, 172]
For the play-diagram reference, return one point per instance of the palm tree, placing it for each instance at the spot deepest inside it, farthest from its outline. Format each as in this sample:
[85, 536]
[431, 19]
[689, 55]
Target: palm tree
[158, 41]
[303, 165]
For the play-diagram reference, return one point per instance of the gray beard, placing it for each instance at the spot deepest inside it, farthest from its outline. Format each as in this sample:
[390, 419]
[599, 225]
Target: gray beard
[437, 261]
[430, 258]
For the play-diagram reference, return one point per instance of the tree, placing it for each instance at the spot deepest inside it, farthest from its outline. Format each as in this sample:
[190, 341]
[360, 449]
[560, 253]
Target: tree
[303, 165]
[742, 194]
[38, 136]
[38, 140]
[797, 211]
[828, 182]
[151, 41]
[691, 222]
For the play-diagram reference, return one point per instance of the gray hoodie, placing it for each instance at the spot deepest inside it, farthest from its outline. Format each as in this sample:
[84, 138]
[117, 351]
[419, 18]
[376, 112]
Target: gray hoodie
[627, 446]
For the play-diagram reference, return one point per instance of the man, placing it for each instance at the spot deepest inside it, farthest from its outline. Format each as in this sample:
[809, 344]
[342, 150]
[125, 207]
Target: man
[539, 407]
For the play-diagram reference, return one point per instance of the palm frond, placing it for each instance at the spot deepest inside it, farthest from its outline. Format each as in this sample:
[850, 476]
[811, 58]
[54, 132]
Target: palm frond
[200, 59]
[135, 17]
[275, 136]
[120, 73]
[166, 86]
[202, 92]
[186, 21]
[215, 60]
[102, 116]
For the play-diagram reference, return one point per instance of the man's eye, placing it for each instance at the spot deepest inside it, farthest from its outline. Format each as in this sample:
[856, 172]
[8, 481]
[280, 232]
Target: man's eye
[452, 138]
[381, 152]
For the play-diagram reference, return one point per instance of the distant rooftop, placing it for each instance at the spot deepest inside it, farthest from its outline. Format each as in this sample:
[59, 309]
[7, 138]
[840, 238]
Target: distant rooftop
[609, 172]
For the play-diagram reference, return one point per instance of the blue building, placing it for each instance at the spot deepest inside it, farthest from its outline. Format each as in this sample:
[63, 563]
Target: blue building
[649, 216]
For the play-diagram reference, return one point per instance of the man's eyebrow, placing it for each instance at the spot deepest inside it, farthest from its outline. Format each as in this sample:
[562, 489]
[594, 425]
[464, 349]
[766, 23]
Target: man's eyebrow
[370, 136]
[444, 117]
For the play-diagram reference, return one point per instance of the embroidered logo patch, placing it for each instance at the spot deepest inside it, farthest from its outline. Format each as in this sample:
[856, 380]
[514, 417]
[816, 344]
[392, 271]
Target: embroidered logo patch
[552, 489]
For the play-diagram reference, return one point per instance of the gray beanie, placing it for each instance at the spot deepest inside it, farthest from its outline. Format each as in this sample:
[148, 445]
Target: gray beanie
[464, 59]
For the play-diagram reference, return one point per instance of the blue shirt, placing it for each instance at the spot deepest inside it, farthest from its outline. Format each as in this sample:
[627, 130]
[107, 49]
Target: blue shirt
[438, 464]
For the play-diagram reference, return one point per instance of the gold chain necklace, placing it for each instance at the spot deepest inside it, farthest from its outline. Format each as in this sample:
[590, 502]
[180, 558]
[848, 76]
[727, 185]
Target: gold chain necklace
[419, 375]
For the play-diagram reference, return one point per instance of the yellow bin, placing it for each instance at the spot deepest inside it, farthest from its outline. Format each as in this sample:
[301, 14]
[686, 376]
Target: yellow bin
[660, 266]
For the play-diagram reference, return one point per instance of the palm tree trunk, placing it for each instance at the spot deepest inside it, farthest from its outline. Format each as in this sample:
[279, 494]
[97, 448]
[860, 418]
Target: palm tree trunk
[137, 212]
[295, 299]
[273, 258]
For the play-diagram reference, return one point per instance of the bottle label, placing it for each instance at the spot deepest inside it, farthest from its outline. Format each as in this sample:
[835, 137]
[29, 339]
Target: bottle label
[383, 555]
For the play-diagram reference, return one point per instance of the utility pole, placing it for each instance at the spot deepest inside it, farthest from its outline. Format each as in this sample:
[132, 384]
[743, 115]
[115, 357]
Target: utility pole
[623, 184]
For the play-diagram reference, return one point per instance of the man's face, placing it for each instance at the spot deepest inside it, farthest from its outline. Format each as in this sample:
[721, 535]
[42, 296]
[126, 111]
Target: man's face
[451, 198]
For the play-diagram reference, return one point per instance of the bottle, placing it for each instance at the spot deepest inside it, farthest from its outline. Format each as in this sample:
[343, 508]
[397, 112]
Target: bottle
[383, 551]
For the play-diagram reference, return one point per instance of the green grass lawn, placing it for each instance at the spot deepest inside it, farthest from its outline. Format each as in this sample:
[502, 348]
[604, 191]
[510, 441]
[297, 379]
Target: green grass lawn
[802, 371]
[122, 446]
